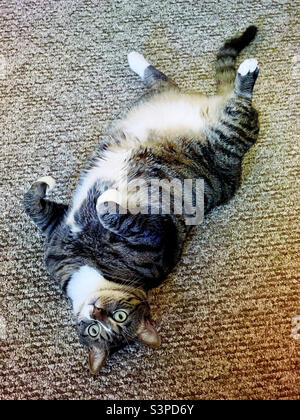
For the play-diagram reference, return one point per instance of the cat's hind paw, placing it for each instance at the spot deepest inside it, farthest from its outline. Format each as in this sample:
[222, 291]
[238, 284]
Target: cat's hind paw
[246, 77]
[248, 66]
[137, 63]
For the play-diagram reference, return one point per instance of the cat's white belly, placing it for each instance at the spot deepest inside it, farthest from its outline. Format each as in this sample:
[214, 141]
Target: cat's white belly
[167, 115]
[170, 114]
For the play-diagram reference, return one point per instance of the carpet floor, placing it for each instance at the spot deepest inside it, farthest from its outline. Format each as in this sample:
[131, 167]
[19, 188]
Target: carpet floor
[228, 314]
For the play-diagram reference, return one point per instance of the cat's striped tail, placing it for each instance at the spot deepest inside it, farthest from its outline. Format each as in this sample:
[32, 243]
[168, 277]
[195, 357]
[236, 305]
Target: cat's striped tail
[225, 65]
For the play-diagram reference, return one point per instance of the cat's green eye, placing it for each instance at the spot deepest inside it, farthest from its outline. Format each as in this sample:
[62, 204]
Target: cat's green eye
[94, 330]
[120, 316]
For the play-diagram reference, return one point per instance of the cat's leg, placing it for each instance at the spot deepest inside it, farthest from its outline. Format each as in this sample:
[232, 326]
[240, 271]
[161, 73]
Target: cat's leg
[237, 124]
[229, 138]
[46, 214]
[225, 65]
[151, 76]
[246, 78]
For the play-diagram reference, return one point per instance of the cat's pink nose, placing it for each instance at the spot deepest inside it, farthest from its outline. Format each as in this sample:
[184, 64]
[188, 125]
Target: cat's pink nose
[98, 313]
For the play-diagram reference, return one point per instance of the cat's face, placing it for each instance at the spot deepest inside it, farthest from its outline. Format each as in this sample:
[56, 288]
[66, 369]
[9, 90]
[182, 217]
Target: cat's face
[90, 264]
[110, 319]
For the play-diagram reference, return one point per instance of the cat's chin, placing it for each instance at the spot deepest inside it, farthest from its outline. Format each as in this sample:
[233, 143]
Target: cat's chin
[86, 308]
[92, 300]
[85, 312]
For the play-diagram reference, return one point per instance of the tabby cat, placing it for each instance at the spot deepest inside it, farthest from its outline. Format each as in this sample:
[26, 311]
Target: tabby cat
[107, 259]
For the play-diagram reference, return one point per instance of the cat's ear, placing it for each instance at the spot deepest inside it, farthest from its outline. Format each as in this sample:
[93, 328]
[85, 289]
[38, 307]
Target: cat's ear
[97, 358]
[148, 335]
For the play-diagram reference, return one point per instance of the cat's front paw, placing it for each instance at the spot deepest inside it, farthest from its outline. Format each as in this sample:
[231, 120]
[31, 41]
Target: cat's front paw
[49, 181]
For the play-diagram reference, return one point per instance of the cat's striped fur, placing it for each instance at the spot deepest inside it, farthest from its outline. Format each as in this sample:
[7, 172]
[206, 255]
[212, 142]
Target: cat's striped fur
[107, 261]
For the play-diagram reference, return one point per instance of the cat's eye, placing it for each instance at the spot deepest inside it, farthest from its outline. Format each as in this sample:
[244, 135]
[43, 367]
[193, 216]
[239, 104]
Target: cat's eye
[94, 330]
[120, 316]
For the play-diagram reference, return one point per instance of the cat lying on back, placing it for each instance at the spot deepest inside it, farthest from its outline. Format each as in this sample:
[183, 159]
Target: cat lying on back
[107, 259]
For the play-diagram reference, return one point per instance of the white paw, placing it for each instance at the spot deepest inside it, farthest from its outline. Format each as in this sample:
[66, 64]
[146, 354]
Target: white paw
[110, 195]
[247, 66]
[137, 63]
[49, 181]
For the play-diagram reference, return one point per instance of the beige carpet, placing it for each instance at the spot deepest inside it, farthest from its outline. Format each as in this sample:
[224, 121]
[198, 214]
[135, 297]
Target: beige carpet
[225, 315]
